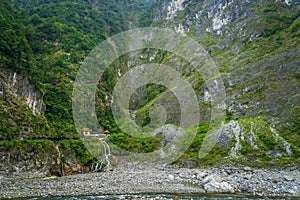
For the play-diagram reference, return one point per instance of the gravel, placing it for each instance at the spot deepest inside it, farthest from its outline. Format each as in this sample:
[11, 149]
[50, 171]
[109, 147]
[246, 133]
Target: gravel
[159, 180]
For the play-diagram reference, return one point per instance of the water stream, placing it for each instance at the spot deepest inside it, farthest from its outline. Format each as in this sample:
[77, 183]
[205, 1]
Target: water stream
[104, 161]
[107, 155]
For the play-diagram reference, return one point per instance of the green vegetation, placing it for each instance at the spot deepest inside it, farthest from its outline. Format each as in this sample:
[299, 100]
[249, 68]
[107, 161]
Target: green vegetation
[78, 149]
[132, 144]
[48, 40]
[260, 147]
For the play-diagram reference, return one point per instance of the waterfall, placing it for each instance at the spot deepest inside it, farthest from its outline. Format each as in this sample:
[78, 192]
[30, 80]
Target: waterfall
[107, 154]
[61, 162]
[105, 159]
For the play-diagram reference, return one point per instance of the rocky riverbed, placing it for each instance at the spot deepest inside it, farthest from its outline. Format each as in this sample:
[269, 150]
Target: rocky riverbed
[164, 179]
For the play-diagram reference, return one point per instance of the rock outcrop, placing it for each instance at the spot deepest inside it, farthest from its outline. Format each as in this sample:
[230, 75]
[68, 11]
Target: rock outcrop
[13, 84]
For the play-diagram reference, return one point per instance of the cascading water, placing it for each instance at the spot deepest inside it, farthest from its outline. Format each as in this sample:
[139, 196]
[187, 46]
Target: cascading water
[104, 162]
[107, 154]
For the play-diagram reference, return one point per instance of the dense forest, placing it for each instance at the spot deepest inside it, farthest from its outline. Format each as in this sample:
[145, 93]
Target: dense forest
[47, 41]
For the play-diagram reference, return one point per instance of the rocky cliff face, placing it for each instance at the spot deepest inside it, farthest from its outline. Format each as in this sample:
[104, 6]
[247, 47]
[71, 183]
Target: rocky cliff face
[25, 147]
[256, 53]
[171, 7]
[40, 158]
[18, 86]
[255, 45]
[231, 19]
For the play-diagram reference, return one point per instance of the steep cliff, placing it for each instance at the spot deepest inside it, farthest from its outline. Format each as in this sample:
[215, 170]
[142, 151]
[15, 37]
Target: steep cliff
[255, 45]
[18, 86]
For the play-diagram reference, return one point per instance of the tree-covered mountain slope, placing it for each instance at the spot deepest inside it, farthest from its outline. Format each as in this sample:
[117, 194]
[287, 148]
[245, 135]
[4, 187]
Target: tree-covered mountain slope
[255, 45]
[43, 44]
